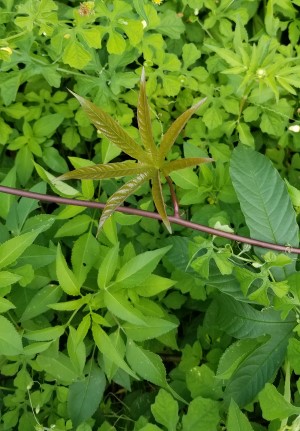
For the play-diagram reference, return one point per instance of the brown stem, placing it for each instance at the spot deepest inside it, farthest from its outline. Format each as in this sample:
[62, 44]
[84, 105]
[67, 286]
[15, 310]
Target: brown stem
[134, 211]
[173, 197]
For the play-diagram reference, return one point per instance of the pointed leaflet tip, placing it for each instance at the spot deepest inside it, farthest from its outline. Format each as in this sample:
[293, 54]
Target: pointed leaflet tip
[143, 75]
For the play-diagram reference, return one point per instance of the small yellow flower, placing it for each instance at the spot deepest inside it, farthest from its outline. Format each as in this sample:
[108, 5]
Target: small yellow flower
[157, 1]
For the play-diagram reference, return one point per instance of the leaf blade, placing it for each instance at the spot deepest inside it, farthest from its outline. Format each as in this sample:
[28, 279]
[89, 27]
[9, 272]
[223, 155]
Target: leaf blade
[144, 120]
[176, 165]
[111, 129]
[172, 133]
[158, 199]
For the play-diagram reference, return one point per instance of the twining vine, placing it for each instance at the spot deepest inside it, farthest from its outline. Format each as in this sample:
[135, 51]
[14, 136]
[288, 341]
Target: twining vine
[133, 211]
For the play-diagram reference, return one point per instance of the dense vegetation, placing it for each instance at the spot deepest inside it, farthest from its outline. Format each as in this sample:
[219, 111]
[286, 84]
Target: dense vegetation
[137, 328]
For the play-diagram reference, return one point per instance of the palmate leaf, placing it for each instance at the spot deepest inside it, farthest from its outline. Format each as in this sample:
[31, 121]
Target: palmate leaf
[151, 160]
[112, 130]
[110, 170]
[172, 133]
[120, 195]
[176, 165]
[144, 120]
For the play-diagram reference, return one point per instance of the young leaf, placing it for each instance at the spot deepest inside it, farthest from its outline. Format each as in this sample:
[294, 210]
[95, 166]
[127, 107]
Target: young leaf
[158, 199]
[120, 195]
[172, 133]
[112, 130]
[144, 121]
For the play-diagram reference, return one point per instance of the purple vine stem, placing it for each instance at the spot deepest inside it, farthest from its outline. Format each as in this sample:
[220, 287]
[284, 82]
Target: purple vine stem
[149, 214]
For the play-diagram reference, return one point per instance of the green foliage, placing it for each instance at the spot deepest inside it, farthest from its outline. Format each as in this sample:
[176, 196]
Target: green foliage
[135, 329]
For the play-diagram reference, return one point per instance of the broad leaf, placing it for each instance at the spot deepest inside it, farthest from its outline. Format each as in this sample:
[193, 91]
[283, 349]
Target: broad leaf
[146, 364]
[10, 339]
[165, 410]
[264, 201]
[274, 405]
[84, 397]
[236, 420]
[66, 278]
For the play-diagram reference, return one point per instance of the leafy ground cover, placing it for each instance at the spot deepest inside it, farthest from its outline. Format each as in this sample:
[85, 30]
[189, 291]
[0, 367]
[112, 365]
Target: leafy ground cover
[137, 328]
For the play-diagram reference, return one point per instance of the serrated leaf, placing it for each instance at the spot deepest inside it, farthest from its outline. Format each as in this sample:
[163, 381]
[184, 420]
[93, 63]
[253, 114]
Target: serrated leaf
[45, 334]
[10, 339]
[264, 200]
[172, 133]
[139, 268]
[119, 306]
[66, 278]
[144, 120]
[146, 364]
[176, 165]
[158, 199]
[274, 405]
[58, 366]
[155, 328]
[107, 348]
[108, 267]
[109, 170]
[84, 397]
[74, 227]
[7, 278]
[236, 420]
[229, 56]
[5, 305]
[122, 193]
[39, 303]
[165, 410]
[202, 415]
[111, 129]
[14, 247]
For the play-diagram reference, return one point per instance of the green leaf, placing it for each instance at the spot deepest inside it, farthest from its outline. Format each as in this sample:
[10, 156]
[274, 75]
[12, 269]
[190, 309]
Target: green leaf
[144, 121]
[264, 200]
[202, 415]
[74, 227]
[45, 334]
[170, 24]
[7, 278]
[111, 129]
[66, 278]
[84, 397]
[274, 405]
[234, 356]
[40, 302]
[155, 328]
[172, 133]
[13, 248]
[58, 366]
[139, 268]
[108, 267]
[75, 55]
[107, 348]
[236, 420]
[47, 125]
[119, 306]
[146, 364]
[5, 305]
[10, 339]
[165, 410]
